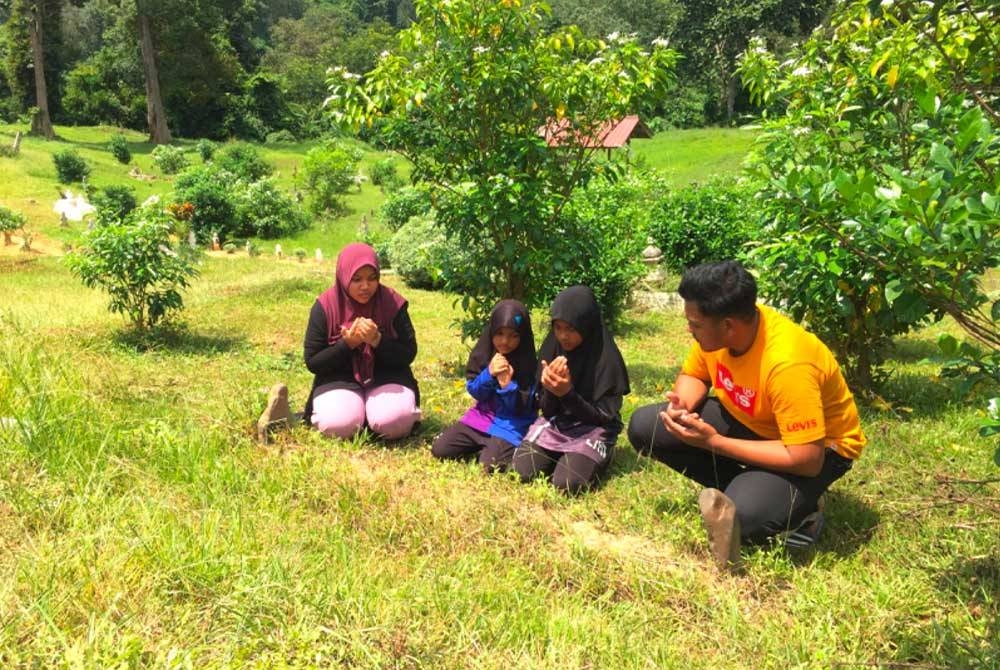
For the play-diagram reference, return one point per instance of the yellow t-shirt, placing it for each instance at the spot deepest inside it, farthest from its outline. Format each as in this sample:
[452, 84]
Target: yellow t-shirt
[788, 386]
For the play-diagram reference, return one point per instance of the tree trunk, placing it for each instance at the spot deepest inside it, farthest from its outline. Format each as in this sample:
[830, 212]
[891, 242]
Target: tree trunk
[155, 115]
[732, 89]
[41, 124]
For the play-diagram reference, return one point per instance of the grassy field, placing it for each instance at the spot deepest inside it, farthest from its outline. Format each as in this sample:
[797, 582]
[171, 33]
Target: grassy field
[28, 184]
[141, 526]
[697, 154]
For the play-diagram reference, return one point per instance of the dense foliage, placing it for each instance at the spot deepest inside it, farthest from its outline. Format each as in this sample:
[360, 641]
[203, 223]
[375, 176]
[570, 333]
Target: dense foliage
[118, 146]
[882, 179]
[231, 206]
[232, 68]
[10, 220]
[329, 170]
[114, 203]
[704, 223]
[600, 237]
[70, 166]
[404, 204]
[422, 254]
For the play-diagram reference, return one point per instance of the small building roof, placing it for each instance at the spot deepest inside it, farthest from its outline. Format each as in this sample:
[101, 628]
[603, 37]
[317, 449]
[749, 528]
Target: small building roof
[611, 134]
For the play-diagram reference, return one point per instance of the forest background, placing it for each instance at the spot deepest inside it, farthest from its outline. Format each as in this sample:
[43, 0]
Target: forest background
[252, 68]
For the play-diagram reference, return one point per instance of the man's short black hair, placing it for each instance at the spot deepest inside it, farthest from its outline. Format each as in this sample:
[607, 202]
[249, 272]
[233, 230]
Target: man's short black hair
[720, 290]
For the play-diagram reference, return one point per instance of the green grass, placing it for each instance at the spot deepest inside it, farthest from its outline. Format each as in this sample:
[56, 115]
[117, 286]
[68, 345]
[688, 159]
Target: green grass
[697, 154]
[28, 183]
[141, 526]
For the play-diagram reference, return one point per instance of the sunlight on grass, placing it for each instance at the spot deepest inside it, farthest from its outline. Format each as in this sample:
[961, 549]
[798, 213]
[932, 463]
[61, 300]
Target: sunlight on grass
[141, 526]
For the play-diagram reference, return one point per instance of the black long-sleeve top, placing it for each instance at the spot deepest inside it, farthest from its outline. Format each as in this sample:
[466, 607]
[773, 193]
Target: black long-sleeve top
[606, 411]
[333, 365]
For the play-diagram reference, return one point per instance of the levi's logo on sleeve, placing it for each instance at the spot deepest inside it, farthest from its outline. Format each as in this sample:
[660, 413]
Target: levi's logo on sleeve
[795, 426]
[743, 397]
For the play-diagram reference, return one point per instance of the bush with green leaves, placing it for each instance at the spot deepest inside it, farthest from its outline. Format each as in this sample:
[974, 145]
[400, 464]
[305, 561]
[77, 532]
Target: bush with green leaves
[70, 166]
[135, 262]
[114, 203]
[206, 149]
[385, 175]
[978, 374]
[244, 161]
[601, 236]
[210, 189]
[329, 173]
[169, 159]
[424, 257]
[880, 178]
[264, 210]
[404, 204]
[118, 145]
[703, 223]
[10, 221]
[281, 137]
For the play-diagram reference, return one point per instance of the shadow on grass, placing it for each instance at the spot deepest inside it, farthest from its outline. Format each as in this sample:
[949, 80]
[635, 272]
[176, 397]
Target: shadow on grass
[177, 339]
[914, 351]
[908, 395]
[301, 289]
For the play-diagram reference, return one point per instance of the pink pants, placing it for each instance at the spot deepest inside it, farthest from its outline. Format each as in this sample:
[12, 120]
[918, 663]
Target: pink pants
[390, 411]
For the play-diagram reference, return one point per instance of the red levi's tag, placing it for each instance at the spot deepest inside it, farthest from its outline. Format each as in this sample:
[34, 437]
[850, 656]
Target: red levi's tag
[743, 397]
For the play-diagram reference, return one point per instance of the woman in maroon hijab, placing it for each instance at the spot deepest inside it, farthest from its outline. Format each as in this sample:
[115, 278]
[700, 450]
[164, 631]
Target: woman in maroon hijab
[359, 344]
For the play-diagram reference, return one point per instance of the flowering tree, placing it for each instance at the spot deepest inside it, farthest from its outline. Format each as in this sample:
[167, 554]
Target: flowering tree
[465, 97]
[882, 176]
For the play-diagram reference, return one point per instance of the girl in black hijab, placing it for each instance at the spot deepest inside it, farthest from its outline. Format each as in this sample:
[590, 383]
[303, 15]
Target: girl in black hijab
[500, 376]
[582, 381]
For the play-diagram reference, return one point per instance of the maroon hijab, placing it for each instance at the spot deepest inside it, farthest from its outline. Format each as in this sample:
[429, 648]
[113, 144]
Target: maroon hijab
[341, 310]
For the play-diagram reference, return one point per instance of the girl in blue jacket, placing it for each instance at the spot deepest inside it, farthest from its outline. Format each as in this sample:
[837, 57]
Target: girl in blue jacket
[500, 377]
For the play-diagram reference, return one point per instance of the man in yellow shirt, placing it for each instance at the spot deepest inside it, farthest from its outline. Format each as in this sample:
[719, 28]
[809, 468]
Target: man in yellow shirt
[780, 428]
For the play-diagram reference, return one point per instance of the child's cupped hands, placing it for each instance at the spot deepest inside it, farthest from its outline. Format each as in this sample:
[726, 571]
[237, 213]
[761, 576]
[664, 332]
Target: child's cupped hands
[501, 369]
[556, 377]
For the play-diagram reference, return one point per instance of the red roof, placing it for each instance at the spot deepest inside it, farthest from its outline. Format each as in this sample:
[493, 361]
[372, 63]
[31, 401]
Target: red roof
[610, 134]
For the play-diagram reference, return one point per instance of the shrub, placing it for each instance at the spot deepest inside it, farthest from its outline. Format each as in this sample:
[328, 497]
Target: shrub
[683, 108]
[384, 175]
[244, 161]
[405, 203]
[281, 137]
[135, 263]
[206, 149]
[424, 257]
[329, 173]
[210, 190]
[169, 159]
[704, 223]
[603, 231]
[118, 146]
[70, 167]
[378, 238]
[10, 221]
[114, 203]
[266, 211]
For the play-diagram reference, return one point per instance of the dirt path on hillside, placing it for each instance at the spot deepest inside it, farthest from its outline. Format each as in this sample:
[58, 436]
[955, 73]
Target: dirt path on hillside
[40, 246]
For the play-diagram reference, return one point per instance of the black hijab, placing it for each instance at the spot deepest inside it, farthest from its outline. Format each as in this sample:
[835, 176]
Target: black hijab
[507, 314]
[596, 366]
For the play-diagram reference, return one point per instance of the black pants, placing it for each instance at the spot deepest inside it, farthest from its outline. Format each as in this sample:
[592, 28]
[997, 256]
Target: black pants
[459, 441]
[767, 502]
[569, 472]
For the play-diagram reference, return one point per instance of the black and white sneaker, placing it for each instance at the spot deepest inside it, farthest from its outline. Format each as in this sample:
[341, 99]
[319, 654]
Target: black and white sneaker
[807, 532]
